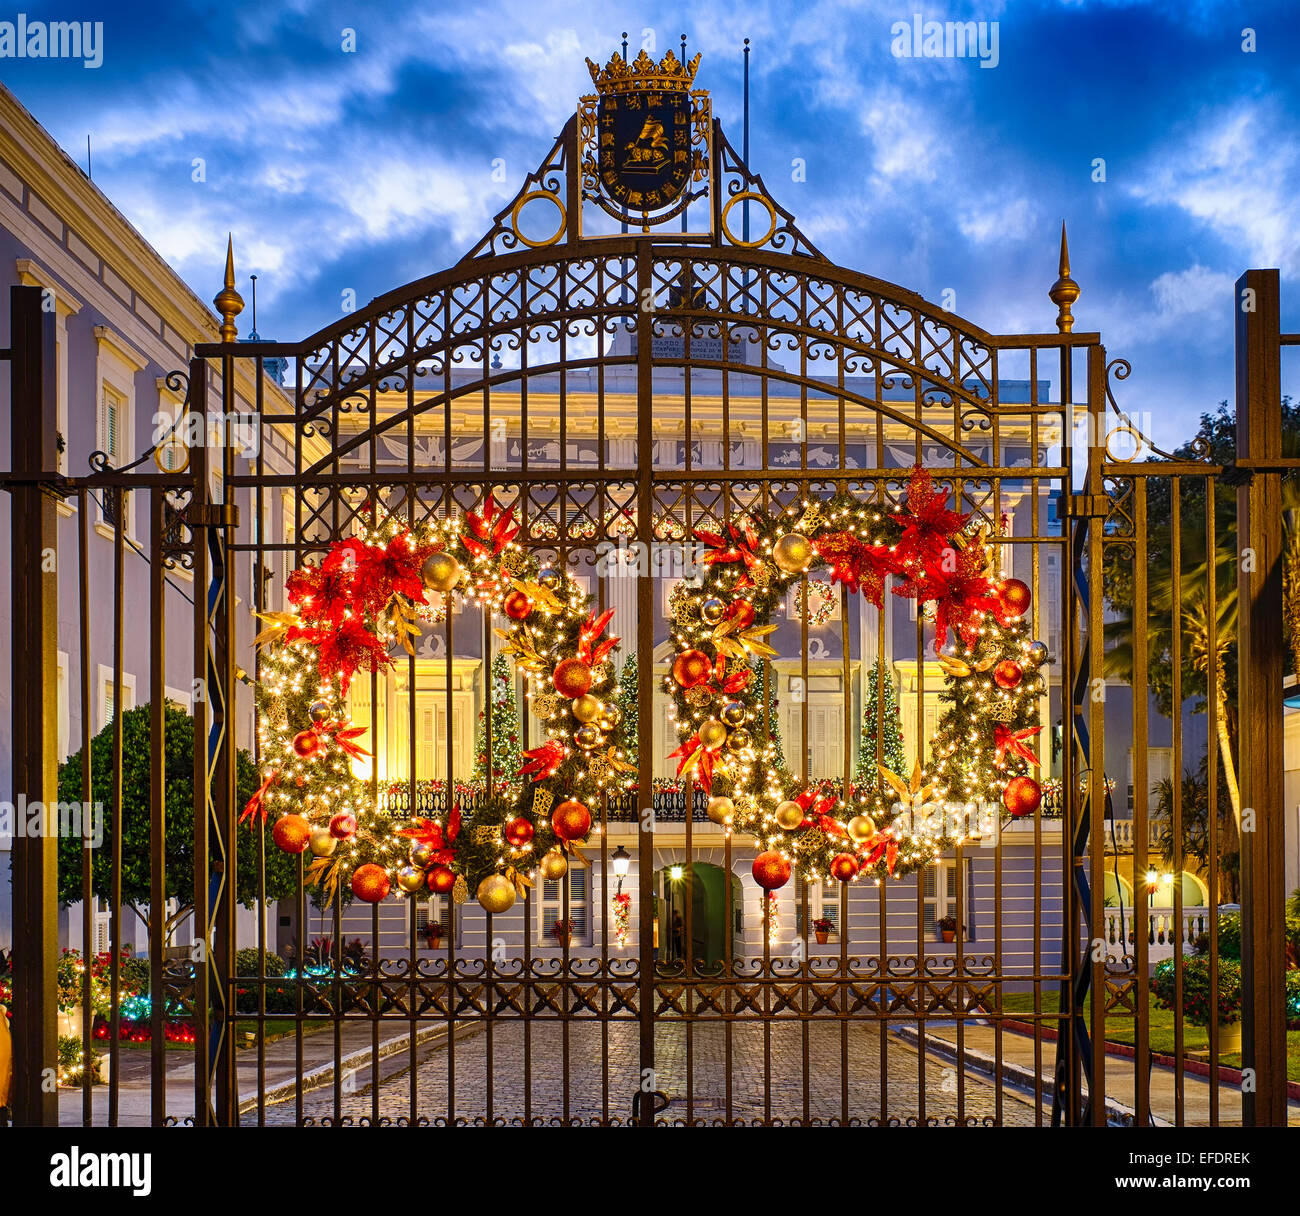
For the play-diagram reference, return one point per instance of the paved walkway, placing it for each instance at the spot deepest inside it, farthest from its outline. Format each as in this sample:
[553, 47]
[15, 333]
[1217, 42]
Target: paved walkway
[602, 1066]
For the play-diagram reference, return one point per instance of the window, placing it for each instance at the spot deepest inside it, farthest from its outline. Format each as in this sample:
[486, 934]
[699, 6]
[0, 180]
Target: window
[939, 884]
[550, 905]
[107, 688]
[1160, 767]
[823, 904]
[113, 439]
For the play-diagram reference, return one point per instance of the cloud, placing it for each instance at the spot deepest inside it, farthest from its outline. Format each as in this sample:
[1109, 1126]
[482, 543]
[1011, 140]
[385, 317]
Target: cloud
[1238, 175]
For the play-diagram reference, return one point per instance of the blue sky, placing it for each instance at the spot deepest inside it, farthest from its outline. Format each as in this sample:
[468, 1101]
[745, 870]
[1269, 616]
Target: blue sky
[365, 170]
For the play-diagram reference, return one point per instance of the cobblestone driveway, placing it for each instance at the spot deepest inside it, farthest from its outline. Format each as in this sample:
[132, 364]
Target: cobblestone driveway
[707, 1050]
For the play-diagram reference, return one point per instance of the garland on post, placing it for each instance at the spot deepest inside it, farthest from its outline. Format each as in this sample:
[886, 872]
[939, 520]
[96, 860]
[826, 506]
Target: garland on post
[721, 632]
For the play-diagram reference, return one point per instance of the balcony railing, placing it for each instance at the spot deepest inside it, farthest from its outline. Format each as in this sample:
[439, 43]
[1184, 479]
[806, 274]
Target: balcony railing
[1163, 929]
[431, 802]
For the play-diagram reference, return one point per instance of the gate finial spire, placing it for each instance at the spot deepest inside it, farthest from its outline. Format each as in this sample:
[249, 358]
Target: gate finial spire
[1065, 290]
[228, 301]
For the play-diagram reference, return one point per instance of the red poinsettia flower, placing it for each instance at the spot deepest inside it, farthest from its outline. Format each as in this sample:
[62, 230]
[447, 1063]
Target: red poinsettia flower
[961, 593]
[488, 534]
[348, 648]
[928, 524]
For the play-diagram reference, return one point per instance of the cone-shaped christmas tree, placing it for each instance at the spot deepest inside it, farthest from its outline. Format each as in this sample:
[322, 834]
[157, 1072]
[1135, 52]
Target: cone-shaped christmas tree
[628, 735]
[507, 757]
[880, 688]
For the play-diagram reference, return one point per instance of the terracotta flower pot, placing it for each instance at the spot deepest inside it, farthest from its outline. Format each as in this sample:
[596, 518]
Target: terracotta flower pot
[949, 935]
[823, 936]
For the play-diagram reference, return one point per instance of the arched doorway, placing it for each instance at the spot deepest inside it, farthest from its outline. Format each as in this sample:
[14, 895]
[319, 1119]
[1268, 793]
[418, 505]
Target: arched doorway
[715, 909]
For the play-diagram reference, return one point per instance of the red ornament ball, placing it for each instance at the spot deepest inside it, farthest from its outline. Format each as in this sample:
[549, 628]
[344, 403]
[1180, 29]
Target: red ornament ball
[1007, 674]
[1022, 796]
[1013, 598]
[692, 667]
[306, 743]
[440, 879]
[571, 820]
[343, 826]
[371, 883]
[572, 678]
[518, 832]
[771, 870]
[844, 866]
[292, 833]
[517, 605]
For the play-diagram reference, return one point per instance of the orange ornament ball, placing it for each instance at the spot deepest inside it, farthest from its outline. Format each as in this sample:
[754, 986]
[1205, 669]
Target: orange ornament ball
[371, 883]
[1022, 796]
[692, 667]
[771, 870]
[440, 879]
[1007, 674]
[306, 743]
[571, 820]
[517, 605]
[572, 678]
[844, 866]
[343, 826]
[292, 833]
[1013, 598]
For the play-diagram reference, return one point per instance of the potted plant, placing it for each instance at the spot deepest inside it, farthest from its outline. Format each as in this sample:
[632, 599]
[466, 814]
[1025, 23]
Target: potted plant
[433, 934]
[947, 926]
[563, 930]
[1201, 1005]
[822, 926]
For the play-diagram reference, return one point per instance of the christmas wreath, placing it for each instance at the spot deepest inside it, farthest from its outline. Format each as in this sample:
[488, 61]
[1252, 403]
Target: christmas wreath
[354, 611]
[982, 751]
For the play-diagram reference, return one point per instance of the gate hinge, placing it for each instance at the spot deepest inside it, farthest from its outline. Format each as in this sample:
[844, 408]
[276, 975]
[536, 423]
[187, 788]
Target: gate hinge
[1085, 506]
[215, 515]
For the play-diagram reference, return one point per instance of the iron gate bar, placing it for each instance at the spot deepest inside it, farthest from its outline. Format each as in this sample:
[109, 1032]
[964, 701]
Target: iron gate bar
[33, 426]
[1259, 693]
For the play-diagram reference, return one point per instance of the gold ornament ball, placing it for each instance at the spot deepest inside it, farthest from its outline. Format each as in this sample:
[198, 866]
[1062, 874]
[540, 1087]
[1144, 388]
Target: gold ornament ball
[732, 713]
[712, 610]
[738, 740]
[554, 865]
[441, 572]
[496, 894]
[1037, 653]
[420, 854]
[793, 553]
[319, 711]
[551, 578]
[322, 843]
[409, 879]
[588, 737]
[610, 718]
[789, 815]
[712, 733]
[721, 810]
[587, 708]
[861, 828]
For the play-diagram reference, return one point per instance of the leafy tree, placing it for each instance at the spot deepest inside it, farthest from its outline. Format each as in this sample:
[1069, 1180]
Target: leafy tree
[507, 756]
[880, 687]
[1215, 442]
[1197, 840]
[178, 776]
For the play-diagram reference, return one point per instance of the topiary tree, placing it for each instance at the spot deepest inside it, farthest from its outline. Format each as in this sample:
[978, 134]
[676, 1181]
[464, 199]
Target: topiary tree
[880, 688]
[507, 756]
[178, 778]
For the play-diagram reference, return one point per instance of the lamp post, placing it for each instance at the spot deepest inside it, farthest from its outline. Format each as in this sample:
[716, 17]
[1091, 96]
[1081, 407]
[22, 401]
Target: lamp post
[622, 862]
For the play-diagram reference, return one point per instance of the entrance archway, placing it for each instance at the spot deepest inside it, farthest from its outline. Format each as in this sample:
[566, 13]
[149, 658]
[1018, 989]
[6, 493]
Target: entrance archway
[715, 910]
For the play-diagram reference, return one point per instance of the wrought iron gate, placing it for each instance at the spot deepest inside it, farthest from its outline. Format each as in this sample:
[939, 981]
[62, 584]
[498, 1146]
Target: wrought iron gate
[620, 391]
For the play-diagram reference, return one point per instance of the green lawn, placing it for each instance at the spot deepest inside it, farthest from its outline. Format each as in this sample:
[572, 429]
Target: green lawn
[1121, 1029]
